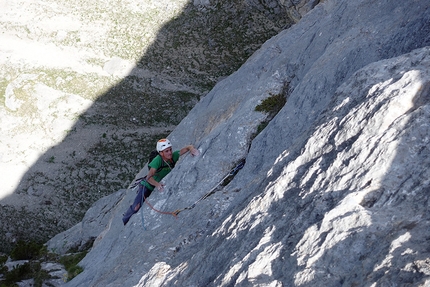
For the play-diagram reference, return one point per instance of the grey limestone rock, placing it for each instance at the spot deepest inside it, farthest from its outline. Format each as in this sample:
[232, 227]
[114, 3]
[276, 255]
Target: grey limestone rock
[334, 191]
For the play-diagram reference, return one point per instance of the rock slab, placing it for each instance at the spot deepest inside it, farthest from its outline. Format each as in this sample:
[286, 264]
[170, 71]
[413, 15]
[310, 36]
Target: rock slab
[334, 191]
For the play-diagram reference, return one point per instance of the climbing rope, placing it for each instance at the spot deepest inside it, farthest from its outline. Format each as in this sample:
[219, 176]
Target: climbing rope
[141, 212]
[206, 195]
[159, 211]
[232, 173]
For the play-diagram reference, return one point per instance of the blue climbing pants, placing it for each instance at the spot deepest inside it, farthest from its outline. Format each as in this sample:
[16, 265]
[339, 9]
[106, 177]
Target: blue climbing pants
[137, 204]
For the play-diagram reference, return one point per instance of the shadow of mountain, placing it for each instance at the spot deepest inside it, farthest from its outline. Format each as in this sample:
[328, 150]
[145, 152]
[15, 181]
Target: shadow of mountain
[109, 143]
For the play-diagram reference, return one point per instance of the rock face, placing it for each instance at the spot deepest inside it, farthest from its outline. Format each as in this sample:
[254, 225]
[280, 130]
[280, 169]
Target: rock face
[87, 87]
[298, 8]
[334, 191]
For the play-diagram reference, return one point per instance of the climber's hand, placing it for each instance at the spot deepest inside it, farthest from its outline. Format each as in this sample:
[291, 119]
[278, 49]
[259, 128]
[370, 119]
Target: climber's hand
[160, 187]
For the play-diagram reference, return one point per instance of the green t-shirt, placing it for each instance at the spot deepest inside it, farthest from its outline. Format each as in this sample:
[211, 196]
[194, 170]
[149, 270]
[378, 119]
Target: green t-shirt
[163, 168]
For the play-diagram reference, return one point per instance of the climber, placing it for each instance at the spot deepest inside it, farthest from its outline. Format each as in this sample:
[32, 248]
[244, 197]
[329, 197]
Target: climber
[159, 167]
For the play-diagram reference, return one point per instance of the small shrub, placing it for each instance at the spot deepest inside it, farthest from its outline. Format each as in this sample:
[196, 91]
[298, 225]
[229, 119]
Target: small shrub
[70, 262]
[47, 256]
[26, 250]
[3, 259]
[73, 272]
[33, 252]
[3, 268]
[40, 277]
[272, 105]
[17, 274]
[25, 271]
[262, 126]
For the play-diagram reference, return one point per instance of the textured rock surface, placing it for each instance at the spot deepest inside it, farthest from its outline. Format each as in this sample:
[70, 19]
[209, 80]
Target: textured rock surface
[87, 87]
[335, 189]
[298, 8]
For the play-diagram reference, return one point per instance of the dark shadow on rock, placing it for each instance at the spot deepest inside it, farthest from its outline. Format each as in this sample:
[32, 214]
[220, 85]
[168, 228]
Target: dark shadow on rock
[110, 142]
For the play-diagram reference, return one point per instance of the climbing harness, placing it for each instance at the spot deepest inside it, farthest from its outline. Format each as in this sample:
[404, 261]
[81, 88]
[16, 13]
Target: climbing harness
[136, 182]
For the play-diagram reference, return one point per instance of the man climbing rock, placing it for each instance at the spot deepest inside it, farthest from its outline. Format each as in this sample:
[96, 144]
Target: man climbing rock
[159, 167]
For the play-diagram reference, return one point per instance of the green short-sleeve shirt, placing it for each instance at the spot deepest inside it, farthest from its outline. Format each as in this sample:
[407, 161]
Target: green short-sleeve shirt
[163, 168]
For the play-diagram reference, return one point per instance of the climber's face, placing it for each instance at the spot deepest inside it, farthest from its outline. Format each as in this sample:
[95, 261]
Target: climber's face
[166, 154]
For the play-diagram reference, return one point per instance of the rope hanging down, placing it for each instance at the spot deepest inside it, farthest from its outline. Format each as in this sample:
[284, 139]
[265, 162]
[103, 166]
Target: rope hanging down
[159, 211]
[176, 212]
[141, 212]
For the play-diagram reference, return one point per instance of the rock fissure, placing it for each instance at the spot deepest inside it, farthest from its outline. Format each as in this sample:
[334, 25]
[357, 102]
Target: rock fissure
[334, 189]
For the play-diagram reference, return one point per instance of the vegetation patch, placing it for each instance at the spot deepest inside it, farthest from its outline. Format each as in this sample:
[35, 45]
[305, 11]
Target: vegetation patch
[34, 253]
[271, 106]
[70, 262]
[26, 250]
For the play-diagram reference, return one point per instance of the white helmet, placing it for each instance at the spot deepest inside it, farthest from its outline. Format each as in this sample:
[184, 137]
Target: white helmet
[163, 144]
